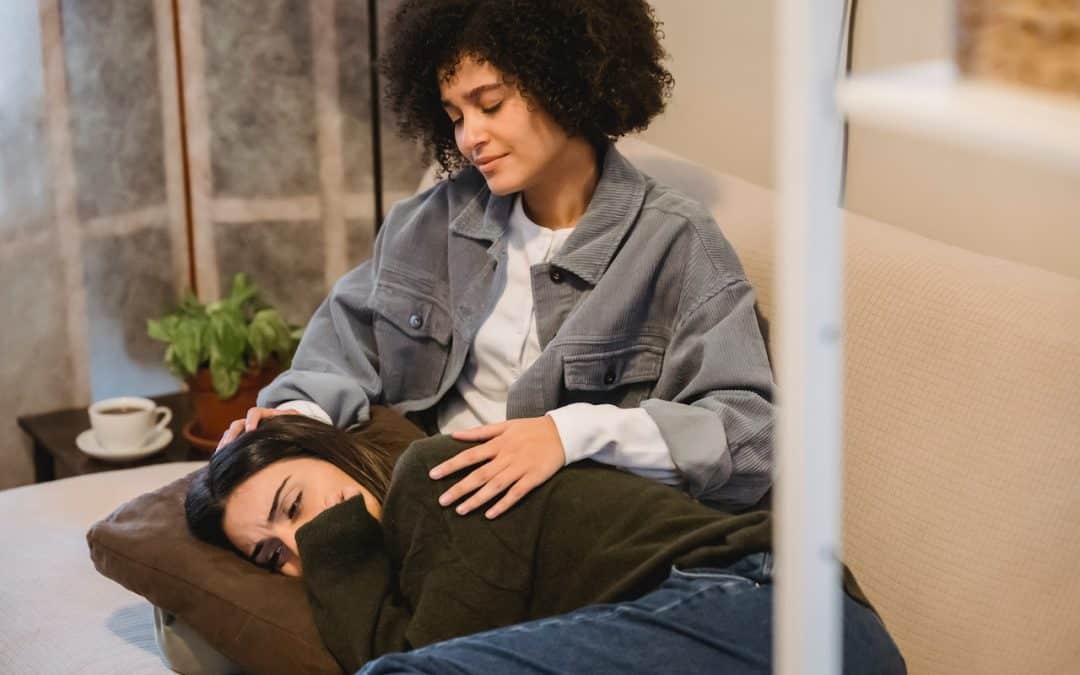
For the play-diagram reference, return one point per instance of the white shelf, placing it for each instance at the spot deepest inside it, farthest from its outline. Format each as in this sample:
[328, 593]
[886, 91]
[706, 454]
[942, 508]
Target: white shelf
[933, 100]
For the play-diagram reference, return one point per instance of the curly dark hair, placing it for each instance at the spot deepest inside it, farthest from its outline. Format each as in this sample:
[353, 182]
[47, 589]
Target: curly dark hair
[593, 65]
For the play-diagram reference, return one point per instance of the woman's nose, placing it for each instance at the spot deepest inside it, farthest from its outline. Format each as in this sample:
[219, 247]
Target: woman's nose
[472, 136]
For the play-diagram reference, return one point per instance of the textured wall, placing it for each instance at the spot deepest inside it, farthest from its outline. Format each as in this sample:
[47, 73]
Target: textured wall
[276, 105]
[401, 165]
[89, 207]
[721, 111]
[34, 349]
[969, 197]
[114, 106]
[278, 102]
[720, 114]
[133, 259]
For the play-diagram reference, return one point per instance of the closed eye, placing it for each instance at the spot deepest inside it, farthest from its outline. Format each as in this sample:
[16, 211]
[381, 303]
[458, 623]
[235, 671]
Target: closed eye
[295, 506]
[275, 560]
[487, 111]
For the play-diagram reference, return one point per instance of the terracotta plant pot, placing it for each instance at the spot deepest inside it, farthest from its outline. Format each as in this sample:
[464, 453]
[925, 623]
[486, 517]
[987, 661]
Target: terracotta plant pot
[214, 414]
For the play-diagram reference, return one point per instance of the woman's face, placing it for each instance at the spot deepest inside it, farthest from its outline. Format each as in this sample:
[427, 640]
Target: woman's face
[264, 512]
[512, 145]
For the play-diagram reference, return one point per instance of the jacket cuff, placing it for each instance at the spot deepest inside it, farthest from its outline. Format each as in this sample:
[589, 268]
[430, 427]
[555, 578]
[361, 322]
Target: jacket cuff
[697, 441]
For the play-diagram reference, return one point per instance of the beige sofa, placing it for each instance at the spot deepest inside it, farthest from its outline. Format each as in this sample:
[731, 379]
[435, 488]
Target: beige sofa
[961, 435]
[962, 420]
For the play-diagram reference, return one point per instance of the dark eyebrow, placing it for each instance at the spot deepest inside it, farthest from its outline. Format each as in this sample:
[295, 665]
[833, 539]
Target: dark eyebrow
[475, 93]
[269, 517]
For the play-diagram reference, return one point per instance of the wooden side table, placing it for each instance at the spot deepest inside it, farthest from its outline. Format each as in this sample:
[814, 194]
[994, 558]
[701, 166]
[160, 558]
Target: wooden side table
[57, 456]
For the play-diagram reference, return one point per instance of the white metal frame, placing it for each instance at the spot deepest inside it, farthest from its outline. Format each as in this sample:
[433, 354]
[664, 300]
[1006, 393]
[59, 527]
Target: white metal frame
[809, 268]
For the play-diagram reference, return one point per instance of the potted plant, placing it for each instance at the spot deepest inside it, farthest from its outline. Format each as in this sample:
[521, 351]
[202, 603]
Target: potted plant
[226, 351]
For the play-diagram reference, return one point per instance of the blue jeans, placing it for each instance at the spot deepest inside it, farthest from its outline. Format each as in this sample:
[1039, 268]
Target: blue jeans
[708, 621]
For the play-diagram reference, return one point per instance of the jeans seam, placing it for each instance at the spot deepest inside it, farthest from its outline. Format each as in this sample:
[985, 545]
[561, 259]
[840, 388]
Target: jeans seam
[683, 600]
[687, 574]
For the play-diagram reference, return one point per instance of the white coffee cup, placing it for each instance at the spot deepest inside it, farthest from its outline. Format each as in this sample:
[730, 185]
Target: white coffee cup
[127, 423]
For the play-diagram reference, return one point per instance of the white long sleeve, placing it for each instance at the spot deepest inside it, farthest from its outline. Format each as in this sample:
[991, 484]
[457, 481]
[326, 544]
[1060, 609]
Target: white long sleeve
[308, 409]
[626, 438]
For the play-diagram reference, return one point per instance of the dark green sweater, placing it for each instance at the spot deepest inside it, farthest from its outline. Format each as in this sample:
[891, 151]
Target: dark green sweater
[590, 534]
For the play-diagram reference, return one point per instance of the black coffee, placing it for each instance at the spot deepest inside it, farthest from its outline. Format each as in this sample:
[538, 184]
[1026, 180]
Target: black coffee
[120, 410]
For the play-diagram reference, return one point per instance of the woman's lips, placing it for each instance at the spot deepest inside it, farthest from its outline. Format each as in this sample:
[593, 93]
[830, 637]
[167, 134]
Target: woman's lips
[487, 166]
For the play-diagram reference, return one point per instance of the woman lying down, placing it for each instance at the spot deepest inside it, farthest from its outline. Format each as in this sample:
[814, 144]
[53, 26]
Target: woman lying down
[595, 571]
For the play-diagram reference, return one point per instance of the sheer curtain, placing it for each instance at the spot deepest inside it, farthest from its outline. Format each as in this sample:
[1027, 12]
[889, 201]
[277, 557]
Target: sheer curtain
[155, 145]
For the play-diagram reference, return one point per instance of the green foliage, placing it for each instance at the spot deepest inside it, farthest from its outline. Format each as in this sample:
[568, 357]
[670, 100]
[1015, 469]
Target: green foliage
[230, 336]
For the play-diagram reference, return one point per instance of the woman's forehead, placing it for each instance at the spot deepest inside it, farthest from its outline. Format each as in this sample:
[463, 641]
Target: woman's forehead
[469, 74]
[249, 504]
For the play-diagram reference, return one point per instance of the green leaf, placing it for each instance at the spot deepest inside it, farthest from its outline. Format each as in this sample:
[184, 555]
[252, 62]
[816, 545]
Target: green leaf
[188, 345]
[227, 336]
[263, 337]
[270, 333]
[162, 329]
[243, 290]
[225, 378]
[173, 362]
[190, 306]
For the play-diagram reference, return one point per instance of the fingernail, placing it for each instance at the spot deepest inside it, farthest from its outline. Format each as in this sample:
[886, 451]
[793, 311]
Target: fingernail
[435, 473]
[490, 515]
[444, 500]
[461, 510]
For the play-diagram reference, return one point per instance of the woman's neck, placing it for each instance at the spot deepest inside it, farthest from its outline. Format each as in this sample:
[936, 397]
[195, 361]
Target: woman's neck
[559, 198]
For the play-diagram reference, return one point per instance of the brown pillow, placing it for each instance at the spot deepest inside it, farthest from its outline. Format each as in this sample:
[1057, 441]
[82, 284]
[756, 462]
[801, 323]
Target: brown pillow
[259, 620]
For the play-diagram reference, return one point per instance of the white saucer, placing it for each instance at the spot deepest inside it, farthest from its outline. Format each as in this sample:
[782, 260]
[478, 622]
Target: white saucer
[88, 443]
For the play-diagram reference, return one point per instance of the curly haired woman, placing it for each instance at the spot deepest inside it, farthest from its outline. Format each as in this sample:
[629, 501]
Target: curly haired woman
[546, 297]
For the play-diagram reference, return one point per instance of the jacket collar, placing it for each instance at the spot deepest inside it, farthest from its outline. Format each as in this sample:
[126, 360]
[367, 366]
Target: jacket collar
[587, 253]
[485, 216]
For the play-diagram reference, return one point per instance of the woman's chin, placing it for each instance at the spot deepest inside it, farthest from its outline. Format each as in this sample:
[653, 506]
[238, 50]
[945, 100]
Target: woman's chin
[502, 185]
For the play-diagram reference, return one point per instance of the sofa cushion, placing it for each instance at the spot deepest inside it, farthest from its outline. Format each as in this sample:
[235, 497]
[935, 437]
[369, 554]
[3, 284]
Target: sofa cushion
[257, 619]
[961, 433]
[962, 451]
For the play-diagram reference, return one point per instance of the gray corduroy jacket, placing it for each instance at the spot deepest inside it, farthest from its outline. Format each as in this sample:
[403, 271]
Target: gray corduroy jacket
[645, 305]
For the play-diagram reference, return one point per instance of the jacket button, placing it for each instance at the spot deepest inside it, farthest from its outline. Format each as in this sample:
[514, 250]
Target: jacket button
[556, 276]
[609, 376]
[416, 321]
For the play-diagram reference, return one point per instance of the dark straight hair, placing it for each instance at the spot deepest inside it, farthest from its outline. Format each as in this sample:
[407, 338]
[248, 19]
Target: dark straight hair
[275, 439]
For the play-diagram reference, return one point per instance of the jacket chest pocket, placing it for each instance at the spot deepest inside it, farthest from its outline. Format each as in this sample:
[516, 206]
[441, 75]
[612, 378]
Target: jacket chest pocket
[622, 377]
[412, 335]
